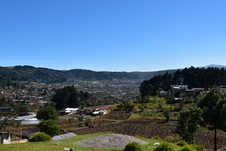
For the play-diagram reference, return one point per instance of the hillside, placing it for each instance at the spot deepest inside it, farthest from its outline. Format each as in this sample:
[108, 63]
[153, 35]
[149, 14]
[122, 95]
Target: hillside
[192, 77]
[30, 73]
[72, 143]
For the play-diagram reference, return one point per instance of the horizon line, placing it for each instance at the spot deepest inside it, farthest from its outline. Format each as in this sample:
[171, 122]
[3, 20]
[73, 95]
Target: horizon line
[24, 65]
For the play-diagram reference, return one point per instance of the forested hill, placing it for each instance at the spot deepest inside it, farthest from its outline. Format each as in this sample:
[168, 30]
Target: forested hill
[30, 73]
[193, 77]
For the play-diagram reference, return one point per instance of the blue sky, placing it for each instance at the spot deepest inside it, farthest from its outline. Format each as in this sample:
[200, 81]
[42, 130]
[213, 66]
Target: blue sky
[113, 35]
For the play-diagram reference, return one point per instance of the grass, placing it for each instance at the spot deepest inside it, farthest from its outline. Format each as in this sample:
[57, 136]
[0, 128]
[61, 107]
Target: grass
[54, 145]
[69, 143]
[135, 116]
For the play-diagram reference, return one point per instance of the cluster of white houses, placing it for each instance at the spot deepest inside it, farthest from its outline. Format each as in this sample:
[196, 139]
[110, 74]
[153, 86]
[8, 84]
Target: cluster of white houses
[95, 112]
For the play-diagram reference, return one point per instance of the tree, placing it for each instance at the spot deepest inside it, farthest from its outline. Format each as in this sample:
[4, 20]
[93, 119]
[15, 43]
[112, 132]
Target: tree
[22, 109]
[188, 123]
[49, 127]
[7, 112]
[214, 108]
[147, 89]
[47, 113]
[166, 114]
[194, 77]
[129, 106]
[69, 97]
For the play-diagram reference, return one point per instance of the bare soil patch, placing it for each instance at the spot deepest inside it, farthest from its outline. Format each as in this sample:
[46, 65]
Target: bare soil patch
[109, 141]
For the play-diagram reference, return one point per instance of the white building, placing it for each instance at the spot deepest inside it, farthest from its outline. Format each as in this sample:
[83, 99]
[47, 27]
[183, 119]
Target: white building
[99, 111]
[28, 119]
[71, 110]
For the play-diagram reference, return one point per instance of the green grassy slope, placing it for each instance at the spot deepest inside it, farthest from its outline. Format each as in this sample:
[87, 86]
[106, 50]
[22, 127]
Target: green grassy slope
[67, 143]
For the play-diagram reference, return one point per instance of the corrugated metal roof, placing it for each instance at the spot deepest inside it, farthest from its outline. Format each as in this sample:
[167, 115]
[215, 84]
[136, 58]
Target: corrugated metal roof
[63, 136]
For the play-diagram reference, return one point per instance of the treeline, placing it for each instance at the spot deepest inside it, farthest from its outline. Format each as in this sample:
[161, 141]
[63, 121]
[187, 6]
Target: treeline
[193, 77]
[30, 73]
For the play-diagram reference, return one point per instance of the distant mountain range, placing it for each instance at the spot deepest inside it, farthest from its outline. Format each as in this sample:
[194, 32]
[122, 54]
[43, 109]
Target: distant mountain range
[215, 66]
[30, 73]
[37, 74]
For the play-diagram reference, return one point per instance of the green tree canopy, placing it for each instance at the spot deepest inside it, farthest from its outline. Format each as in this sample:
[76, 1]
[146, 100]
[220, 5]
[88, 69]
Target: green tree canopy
[69, 97]
[214, 107]
[193, 77]
[47, 113]
[22, 109]
[188, 123]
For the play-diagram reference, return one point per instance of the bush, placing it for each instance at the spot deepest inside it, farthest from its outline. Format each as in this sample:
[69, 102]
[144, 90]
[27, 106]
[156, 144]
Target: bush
[172, 138]
[199, 147]
[129, 106]
[39, 137]
[182, 143]
[187, 148]
[133, 147]
[120, 106]
[87, 122]
[49, 127]
[163, 147]
[166, 114]
[157, 138]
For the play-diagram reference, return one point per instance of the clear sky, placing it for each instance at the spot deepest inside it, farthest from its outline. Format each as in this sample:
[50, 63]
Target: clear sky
[113, 35]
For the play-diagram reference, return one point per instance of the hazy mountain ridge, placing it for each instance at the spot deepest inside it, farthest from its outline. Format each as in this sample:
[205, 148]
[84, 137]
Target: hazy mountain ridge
[215, 66]
[37, 74]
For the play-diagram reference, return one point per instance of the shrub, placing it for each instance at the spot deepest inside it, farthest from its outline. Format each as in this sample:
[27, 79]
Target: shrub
[157, 138]
[39, 137]
[132, 147]
[199, 147]
[172, 138]
[129, 106]
[166, 114]
[49, 127]
[163, 147]
[182, 143]
[120, 106]
[187, 148]
[87, 122]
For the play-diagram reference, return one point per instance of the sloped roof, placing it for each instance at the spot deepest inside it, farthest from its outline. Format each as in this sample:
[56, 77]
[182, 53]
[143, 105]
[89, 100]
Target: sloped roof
[63, 136]
[26, 133]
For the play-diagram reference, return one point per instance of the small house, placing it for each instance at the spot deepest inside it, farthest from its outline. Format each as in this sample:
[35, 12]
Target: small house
[28, 119]
[71, 110]
[63, 136]
[179, 87]
[98, 111]
[26, 133]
